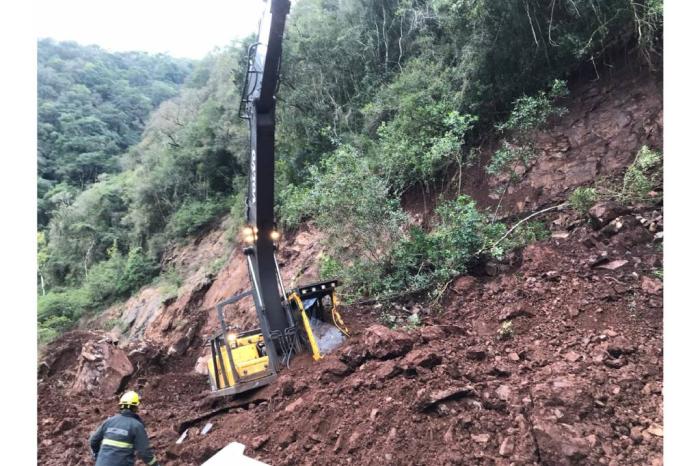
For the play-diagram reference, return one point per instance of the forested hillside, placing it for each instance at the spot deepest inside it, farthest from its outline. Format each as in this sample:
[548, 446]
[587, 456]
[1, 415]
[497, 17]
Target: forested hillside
[379, 99]
[92, 106]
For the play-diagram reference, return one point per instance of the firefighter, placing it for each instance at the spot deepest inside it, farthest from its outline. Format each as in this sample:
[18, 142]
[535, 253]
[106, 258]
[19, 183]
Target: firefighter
[119, 437]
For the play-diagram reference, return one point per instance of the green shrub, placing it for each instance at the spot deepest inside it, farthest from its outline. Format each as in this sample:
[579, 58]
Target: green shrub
[529, 113]
[193, 216]
[118, 276]
[215, 266]
[413, 322]
[525, 234]
[642, 176]
[70, 304]
[104, 279]
[582, 199]
[296, 206]
[138, 270]
[425, 259]
[353, 207]
[169, 283]
[52, 327]
[329, 268]
[505, 331]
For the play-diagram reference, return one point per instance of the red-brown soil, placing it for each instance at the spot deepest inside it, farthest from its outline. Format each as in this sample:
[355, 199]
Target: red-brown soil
[579, 382]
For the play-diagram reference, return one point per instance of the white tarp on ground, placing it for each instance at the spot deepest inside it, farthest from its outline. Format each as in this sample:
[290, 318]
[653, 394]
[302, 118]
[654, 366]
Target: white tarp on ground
[232, 455]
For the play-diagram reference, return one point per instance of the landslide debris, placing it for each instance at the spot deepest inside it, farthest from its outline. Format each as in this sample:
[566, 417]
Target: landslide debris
[578, 382]
[578, 379]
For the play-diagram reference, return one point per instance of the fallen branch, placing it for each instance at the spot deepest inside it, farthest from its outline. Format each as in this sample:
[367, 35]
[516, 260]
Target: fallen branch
[422, 289]
[514, 227]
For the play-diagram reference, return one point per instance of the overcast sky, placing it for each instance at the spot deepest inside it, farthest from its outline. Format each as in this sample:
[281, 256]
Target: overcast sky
[180, 28]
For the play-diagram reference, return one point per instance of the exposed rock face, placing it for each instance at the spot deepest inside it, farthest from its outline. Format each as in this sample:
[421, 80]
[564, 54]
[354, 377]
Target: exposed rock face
[600, 135]
[103, 369]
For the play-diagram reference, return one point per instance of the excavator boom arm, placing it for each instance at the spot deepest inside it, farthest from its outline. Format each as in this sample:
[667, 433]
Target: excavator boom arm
[258, 107]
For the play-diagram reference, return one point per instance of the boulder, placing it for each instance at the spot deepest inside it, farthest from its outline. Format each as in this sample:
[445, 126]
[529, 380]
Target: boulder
[420, 358]
[464, 284]
[285, 385]
[427, 399]
[604, 212]
[476, 353]
[431, 332]
[353, 355]
[507, 447]
[569, 392]
[258, 442]
[560, 444]
[103, 369]
[202, 365]
[511, 312]
[652, 285]
[383, 343]
[333, 370]
[291, 407]
[611, 265]
[387, 370]
[481, 438]
[503, 392]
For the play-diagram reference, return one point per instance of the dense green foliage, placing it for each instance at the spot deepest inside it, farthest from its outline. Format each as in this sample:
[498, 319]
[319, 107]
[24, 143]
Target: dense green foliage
[174, 171]
[377, 98]
[92, 106]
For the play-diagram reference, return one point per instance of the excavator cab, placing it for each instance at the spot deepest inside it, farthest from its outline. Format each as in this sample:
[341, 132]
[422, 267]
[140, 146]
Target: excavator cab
[316, 311]
[239, 360]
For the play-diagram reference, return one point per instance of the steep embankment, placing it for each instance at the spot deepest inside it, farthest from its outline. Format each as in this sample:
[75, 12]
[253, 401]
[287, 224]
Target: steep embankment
[577, 380]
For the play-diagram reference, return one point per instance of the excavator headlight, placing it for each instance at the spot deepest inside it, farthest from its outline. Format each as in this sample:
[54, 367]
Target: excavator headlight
[247, 231]
[275, 235]
[231, 337]
[249, 239]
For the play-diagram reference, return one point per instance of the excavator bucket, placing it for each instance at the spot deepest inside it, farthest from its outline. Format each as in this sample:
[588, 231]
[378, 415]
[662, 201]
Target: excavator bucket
[322, 326]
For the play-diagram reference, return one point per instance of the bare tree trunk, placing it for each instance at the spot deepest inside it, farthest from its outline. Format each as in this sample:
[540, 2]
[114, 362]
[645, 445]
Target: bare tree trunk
[87, 256]
[505, 190]
[386, 41]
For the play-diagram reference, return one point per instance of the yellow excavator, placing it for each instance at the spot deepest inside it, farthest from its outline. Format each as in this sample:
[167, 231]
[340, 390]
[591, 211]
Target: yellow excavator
[305, 318]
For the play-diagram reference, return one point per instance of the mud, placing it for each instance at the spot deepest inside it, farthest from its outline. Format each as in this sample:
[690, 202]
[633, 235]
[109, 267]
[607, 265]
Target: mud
[579, 381]
[553, 357]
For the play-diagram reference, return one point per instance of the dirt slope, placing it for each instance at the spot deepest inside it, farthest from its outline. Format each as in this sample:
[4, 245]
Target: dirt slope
[579, 381]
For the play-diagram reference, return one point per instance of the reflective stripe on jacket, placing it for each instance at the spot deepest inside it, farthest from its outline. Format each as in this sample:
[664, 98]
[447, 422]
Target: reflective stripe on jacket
[118, 438]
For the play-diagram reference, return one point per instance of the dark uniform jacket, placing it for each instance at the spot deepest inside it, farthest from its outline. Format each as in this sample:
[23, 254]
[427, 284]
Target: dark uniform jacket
[116, 440]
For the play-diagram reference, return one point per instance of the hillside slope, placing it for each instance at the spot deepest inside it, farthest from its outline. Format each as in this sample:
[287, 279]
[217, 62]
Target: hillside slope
[579, 381]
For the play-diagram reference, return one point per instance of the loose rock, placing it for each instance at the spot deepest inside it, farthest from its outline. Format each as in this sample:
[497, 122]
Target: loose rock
[507, 447]
[384, 343]
[604, 212]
